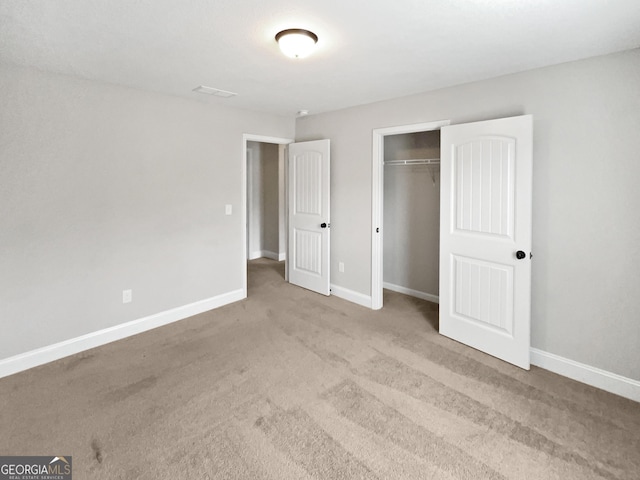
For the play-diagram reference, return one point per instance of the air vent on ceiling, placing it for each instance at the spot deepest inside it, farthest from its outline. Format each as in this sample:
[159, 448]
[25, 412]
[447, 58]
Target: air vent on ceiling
[214, 91]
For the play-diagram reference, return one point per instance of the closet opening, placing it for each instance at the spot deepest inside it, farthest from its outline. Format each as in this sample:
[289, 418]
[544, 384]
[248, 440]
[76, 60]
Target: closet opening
[406, 211]
[265, 201]
[411, 214]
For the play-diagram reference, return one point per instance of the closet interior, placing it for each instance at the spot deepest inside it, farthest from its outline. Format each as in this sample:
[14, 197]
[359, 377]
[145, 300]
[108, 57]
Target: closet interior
[412, 214]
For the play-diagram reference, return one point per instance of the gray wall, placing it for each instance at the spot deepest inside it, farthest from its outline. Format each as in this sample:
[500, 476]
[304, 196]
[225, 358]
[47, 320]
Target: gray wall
[586, 225]
[411, 231]
[104, 188]
[263, 202]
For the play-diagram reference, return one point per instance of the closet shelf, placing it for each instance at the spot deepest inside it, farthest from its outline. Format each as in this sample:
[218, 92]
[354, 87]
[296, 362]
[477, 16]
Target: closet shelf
[417, 161]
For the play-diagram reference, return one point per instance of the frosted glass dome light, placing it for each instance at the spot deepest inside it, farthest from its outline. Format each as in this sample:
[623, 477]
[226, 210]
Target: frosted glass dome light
[295, 42]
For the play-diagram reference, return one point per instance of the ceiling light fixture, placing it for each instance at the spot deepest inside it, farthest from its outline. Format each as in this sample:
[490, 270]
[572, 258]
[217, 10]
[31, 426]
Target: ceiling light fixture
[296, 42]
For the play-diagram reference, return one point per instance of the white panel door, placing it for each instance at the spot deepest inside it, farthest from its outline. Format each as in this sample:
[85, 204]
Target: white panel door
[309, 221]
[485, 236]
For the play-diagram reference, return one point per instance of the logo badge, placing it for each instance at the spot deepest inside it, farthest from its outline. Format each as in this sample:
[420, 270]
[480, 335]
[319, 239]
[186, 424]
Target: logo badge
[36, 468]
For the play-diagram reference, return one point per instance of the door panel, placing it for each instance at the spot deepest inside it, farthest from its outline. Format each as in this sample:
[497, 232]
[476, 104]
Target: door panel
[308, 211]
[482, 291]
[485, 218]
[483, 174]
[308, 251]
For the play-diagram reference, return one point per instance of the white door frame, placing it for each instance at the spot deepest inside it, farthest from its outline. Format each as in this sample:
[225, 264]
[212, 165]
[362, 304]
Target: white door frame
[377, 199]
[248, 137]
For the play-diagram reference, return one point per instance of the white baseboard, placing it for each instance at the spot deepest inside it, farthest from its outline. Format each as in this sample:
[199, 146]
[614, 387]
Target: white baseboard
[611, 382]
[413, 293]
[271, 255]
[282, 257]
[40, 356]
[278, 257]
[351, 296]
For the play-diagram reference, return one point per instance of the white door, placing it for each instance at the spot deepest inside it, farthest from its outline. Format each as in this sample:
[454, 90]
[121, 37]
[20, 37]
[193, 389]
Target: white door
[485, 236]
[309, 221]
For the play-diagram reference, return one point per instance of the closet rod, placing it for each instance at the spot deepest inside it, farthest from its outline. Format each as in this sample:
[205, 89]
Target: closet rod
[417, 161]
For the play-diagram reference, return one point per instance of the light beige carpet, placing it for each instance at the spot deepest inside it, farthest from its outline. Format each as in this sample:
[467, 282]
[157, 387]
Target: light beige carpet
[292, 385]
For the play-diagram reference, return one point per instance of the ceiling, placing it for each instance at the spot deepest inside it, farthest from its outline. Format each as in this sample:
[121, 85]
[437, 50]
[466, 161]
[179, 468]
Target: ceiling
[368, 50]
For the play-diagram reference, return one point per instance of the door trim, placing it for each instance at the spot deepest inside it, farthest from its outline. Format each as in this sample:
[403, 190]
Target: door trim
[248, 137]
[377, 198]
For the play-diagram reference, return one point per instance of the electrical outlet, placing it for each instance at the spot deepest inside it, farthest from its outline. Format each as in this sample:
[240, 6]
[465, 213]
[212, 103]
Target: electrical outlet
[341, 267]
[127, 296]
[227, 209]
